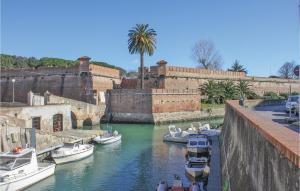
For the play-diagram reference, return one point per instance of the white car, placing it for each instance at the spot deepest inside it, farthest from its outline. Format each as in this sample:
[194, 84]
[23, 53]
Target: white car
[292, 103]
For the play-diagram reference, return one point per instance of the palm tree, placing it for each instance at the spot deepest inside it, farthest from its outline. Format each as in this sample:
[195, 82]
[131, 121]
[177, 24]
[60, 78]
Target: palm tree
[209, 89]
[230, 90]
[243, 89]
[142, 40]
[237, 67]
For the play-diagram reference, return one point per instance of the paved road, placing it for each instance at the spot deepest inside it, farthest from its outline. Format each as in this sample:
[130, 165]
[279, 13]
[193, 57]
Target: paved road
[277, 114]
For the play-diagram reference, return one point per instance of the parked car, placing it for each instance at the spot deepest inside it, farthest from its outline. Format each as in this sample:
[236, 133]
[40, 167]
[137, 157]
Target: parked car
[292, 103]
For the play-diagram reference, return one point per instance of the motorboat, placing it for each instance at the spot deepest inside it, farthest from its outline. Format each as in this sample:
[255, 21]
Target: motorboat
[108, 138]
[162, 186]
[19, 169]
[177, 184]
[177, 135]
[198, 143]
[204, 129]
[197, 166]
[71, 152]
[195, 186]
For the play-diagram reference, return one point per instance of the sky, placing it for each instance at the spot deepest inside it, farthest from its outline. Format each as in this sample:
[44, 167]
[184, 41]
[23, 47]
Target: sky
[261, 34]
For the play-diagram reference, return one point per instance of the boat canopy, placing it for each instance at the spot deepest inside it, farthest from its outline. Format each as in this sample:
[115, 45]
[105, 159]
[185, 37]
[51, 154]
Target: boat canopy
[10, 161]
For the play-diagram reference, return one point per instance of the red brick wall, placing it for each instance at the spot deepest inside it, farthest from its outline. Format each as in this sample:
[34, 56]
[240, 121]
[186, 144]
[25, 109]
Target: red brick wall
[153, 101]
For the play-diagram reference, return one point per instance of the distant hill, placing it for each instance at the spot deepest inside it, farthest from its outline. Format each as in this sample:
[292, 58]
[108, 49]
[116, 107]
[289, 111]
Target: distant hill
[12, 61]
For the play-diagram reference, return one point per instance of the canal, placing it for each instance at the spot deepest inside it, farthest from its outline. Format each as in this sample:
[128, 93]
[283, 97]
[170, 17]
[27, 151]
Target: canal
[136, 163]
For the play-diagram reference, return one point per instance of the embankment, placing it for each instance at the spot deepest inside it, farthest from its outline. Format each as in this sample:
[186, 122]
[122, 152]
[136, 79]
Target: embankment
[257, 154]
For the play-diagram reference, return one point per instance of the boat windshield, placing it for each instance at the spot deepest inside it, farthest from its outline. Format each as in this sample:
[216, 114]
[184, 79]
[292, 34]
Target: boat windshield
[11, 163]
[193, 143]
[202, 143]
[195, 165]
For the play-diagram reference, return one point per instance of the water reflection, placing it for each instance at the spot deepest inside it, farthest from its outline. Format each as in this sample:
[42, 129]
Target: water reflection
[138, 162]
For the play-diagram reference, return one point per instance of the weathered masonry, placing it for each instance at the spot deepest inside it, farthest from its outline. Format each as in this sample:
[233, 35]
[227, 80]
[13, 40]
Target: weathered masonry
[84, 82]
[258, 154]
[162, 76]
[154, 105]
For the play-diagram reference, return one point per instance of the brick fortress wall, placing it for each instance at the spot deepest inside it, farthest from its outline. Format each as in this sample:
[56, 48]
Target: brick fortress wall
[82, 82]
[170, 77]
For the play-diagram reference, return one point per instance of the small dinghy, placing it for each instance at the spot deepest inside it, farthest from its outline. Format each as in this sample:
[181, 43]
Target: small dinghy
[19, 169]
[197, 166]
[198, 143]
[72, 152]
[195, 186]
[176, 135]
[108, 138]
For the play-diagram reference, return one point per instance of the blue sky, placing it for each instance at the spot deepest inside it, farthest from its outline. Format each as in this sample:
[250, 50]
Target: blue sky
[262, 35]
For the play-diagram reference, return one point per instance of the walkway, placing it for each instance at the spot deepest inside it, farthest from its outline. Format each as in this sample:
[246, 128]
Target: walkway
[214, 179]
[277, 114]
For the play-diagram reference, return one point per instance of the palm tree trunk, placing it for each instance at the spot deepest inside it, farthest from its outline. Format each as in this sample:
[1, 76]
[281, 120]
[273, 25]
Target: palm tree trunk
[142, 70]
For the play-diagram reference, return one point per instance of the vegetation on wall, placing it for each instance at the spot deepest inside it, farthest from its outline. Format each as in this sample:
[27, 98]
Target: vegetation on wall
[12, 61]
[218, 92]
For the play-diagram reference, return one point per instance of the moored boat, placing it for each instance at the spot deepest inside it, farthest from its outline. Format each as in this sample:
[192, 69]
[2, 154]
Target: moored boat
[198, 143]
[71, 152]
[19, 169]
[108, 138]
[176, 135]
[197, 166]
[177, 184]
[162, 186]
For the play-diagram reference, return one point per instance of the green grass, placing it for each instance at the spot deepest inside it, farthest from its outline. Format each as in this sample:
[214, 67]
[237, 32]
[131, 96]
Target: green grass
[205, 106]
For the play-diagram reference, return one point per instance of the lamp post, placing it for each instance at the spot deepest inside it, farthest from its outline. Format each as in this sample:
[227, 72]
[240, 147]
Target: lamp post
[13, 81]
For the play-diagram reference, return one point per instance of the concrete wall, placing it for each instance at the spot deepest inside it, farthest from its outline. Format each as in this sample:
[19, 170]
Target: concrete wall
[46, 112]
[258, 154]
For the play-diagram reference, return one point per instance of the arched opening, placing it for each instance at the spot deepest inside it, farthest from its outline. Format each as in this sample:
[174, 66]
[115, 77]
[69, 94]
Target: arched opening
[73, 120]
[57, 122]
[87, 124]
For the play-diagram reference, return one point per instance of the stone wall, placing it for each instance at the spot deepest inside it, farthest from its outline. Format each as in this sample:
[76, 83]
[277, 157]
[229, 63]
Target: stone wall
[258, 154]
[83, 82]
[81, 112]
[155, 106]
[25, 114]
[169, 77]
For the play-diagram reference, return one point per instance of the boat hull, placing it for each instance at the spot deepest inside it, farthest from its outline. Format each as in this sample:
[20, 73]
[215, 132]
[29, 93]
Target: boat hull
[108, 141]
[197, 150]
[28, 180]
[169, 138]
[73, 157]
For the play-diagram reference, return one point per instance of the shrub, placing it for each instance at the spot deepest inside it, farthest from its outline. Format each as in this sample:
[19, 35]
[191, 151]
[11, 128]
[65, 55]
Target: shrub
[271, 96]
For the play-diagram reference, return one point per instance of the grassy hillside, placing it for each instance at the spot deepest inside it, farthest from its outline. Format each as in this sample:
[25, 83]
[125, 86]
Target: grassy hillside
[12, 61]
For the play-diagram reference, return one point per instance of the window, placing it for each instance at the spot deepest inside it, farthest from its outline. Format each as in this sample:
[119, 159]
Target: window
[57, 122]
[36, 123]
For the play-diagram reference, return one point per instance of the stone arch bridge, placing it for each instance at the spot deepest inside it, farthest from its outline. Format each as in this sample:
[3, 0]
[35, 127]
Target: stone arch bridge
[82, 113]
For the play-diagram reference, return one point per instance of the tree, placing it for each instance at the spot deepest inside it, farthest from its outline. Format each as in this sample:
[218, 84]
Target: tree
[142, 40]
[243, 89]
[206, 55]
[209, 89]
[237, 67]
[287, 70]
[230, 90]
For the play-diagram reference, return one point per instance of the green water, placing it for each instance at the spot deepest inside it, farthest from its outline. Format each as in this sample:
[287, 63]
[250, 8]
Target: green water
[138, 162]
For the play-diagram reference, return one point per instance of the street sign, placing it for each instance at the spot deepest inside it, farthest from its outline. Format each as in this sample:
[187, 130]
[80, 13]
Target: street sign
[296, 71]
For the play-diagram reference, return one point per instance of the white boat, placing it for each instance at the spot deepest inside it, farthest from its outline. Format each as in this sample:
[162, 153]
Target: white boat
[177, 135]
[196, 186]
[162, 186]
[72, 152]
[108, 138]
[198, 143]
[197, 166]
[19, 169]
